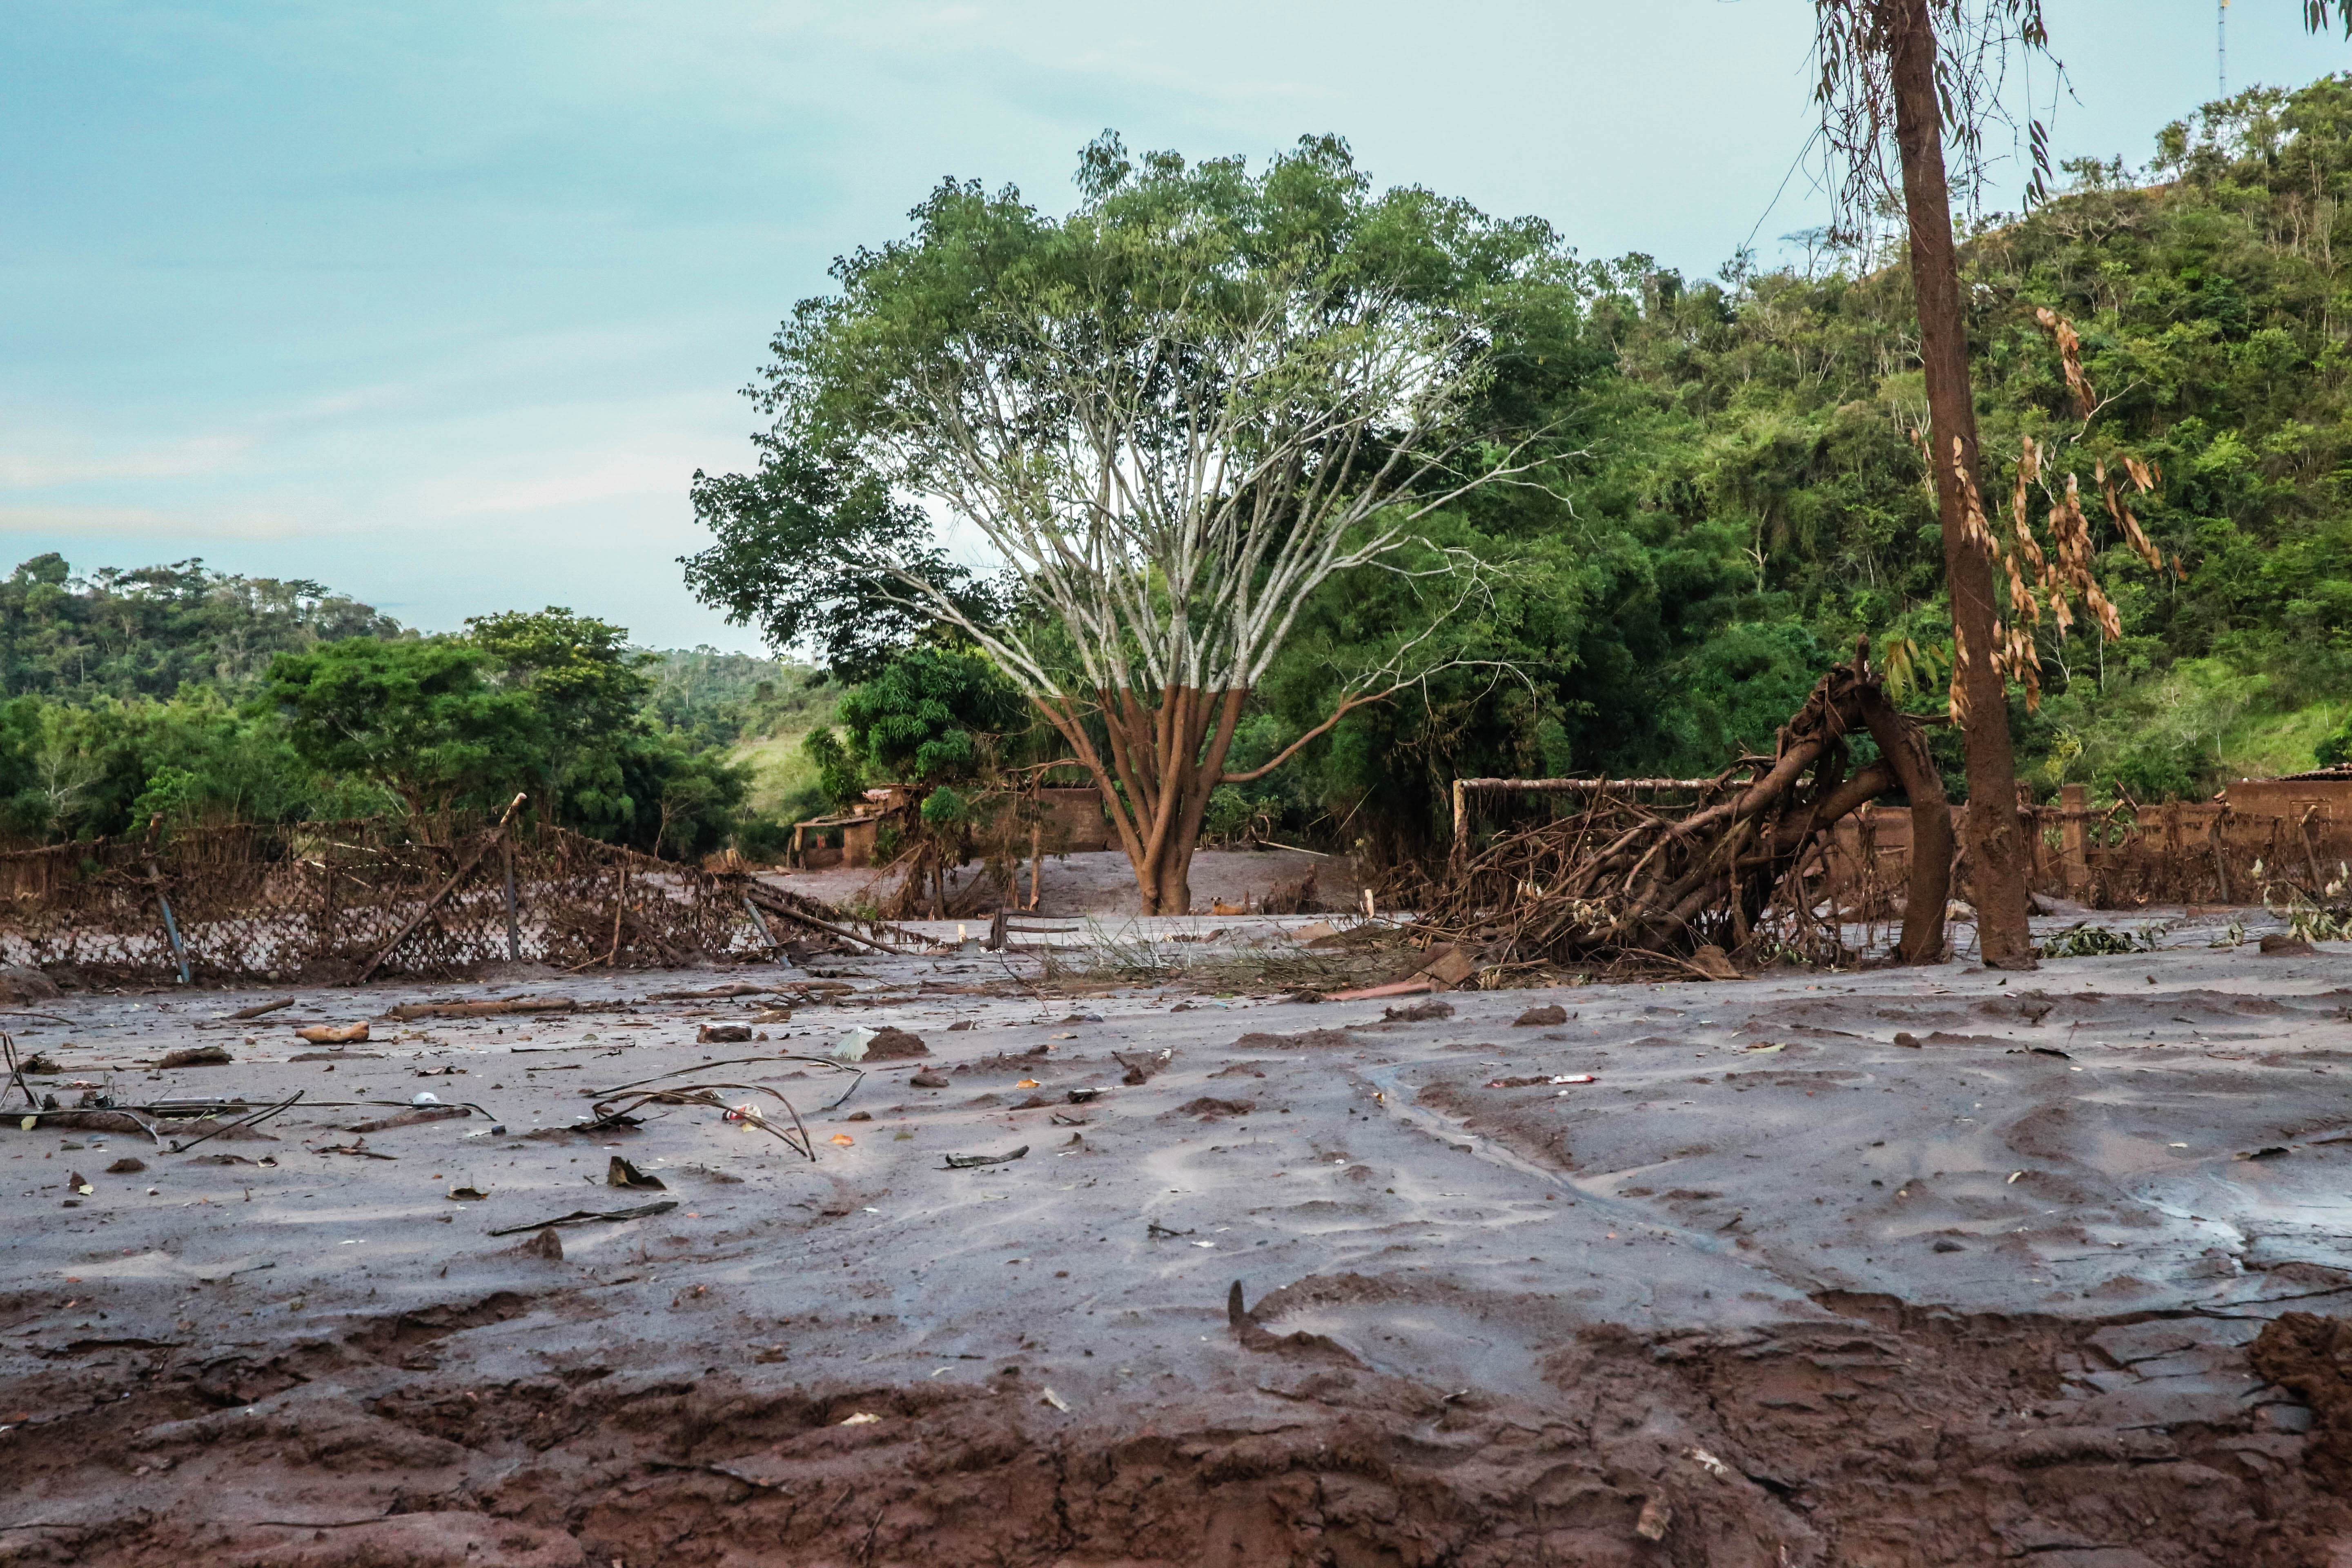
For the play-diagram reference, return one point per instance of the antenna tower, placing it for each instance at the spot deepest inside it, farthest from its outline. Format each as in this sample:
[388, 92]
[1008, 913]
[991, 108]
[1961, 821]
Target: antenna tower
[2221, 48]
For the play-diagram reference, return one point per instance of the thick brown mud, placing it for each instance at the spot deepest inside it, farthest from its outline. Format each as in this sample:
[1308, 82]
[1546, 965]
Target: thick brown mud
[1882, 1271]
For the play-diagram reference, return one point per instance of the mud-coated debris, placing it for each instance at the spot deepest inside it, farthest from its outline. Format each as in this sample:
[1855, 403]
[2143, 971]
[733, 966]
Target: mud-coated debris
[196, 1057]
[890, 1045]
[1139, 1069]
[1657, 1514]
[1211, 1107]
[1539, 1017]
[1427, 1012]
[1083, 1096]
[1447, 965]
[1309, 1039]
[927, 1078]
[621, 1174]
[543, 1244]
[38, 1064]
[1716, 964]
[1054, 1399]
[333, 1034]
[1907, 1040]
[260, 1009]
[723, 1035]
[2271, 1151]
[592, 1216]
[959, 1025]
[2284, 945]
[20, 983]
[356, 1146]
[410, 1118]
[126, 1166]
[468, 1194]
[78, 1183]
[1946, 1244]
[1154, 1228]
[859, 1116]
[1256, 1336]
[967, 1161]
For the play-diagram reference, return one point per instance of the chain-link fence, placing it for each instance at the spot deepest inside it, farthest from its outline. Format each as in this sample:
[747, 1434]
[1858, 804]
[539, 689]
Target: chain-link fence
[321, 901]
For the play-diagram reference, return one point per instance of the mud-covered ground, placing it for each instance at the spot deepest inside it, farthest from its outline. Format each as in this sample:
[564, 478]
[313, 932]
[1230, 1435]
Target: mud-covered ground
[1898, 1268]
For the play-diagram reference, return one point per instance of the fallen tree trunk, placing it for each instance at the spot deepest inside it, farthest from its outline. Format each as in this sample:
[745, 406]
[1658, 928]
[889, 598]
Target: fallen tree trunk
[1624, 876]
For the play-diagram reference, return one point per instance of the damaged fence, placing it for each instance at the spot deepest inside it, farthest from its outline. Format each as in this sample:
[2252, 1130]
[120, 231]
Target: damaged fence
[337, 901]
[2126, 856]
[1789, 856]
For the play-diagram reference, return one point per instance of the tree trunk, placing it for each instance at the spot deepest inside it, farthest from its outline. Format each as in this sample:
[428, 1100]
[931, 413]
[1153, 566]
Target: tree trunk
[1995, 840]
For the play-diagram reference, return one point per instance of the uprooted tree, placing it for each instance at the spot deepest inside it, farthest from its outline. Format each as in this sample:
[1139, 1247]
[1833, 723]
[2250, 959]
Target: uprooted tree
[1618, 878]
[1170, 418]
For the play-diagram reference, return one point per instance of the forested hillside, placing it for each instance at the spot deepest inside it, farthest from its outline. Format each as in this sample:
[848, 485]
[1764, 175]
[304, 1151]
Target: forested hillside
[1748, 494]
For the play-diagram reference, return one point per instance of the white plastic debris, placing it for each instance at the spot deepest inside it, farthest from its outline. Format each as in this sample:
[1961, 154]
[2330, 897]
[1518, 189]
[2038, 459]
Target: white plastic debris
[852, 1046]
[425, 1097]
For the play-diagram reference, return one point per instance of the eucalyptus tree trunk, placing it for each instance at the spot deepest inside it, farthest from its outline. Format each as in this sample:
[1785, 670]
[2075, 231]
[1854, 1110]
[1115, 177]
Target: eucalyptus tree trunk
[1992, 834]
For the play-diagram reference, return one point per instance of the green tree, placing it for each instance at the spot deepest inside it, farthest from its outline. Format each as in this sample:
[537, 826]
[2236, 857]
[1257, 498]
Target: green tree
[1175, 415]
[587, 685]
[418, 718]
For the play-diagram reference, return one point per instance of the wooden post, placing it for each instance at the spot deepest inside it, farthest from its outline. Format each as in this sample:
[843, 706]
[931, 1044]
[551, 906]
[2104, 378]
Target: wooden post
[514, 932]
[2074, 839]
[620, 907]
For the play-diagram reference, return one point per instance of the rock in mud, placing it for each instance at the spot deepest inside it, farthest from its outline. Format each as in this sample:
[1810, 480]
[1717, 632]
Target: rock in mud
[892, 1044]
[1539, 1017]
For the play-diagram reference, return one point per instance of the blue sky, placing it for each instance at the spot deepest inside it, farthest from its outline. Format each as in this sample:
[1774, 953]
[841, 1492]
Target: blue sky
[443, 303]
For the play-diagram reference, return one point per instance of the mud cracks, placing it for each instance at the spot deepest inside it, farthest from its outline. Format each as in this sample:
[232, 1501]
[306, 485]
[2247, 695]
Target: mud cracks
[1879, 1436]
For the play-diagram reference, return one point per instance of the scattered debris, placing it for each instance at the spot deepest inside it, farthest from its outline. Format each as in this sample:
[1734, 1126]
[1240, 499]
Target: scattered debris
[356, 1146]
[196, 1057]
[409, 1011]
[1541, 1017]
[621, 1174]
[260, 1009]
[543, 1244]
[1655, 1518]
[1055, 1400]
[1139, 1069]
[333, 1034]
[1418, 1013]
[411, 1118]
[968, 1162]
[2083, 940]
[726, 1035]
[2280, 944]
[1211, 1108]
[927, 1078]
[732, 988]
[1908, 1041]
[592, 1216]
[1154, 1228]
[126, 1166]
[862, 1418]
[467, 1193]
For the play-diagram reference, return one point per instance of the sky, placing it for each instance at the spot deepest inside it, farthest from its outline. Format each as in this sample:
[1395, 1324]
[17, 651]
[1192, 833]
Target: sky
[443, 302]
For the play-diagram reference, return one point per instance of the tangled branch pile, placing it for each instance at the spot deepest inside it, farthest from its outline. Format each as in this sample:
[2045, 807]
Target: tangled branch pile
[1620, 877]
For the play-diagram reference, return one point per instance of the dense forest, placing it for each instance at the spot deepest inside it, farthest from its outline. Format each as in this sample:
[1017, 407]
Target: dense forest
[1748, 494]
[194, 696]
[1735, 495]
